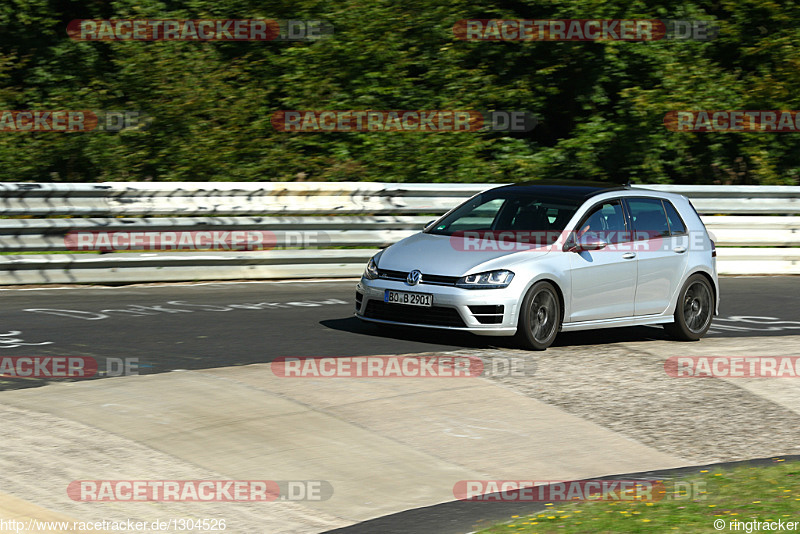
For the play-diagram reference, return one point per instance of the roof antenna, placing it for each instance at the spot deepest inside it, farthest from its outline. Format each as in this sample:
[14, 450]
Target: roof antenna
[628, 185]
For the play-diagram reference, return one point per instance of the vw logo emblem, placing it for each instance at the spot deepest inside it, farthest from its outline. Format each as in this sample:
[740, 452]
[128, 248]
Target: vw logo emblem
[413, 277]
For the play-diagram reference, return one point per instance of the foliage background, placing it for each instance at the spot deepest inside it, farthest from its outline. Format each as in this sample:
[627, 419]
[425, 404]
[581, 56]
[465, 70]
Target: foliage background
[600, 104]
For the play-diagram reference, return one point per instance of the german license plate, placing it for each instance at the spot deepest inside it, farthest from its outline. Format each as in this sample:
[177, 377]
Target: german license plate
[404, 297]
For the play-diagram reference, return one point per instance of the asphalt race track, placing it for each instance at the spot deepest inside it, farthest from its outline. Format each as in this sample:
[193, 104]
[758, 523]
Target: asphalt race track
[598, 404]
[216, 325]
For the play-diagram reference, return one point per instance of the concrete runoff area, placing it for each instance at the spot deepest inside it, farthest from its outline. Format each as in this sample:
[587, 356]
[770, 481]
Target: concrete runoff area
[387, 444]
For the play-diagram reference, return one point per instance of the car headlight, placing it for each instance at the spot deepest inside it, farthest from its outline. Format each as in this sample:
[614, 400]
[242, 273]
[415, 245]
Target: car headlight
[487, 280]
[371, 272]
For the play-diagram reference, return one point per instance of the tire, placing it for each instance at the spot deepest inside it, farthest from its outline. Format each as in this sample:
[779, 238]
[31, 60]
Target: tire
[693, 310]
[539, 318]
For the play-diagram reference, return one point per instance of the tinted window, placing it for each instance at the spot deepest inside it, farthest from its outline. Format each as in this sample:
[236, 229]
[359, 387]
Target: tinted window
[505, 211]
[606, 221]
[476, 215]
[676, 225]
[648, 217]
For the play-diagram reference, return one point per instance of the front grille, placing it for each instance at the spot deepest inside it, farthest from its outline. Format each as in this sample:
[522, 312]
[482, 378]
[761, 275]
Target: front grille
[386, 274]
[359, 298]
[434, 316]
[433, 279]
[437, 279]
[488, 314]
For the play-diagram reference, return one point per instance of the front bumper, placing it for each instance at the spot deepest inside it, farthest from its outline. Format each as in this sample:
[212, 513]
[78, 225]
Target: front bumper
[453, 308]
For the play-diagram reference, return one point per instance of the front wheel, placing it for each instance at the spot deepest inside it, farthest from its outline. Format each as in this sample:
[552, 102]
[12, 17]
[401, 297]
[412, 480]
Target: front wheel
[693, 310]
[540, 317]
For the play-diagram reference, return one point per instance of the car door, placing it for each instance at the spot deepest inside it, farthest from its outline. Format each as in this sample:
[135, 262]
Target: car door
[662, 253]
[603, 281]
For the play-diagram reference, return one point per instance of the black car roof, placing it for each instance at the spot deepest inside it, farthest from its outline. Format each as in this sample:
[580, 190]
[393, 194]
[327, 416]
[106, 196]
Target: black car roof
[567, 190]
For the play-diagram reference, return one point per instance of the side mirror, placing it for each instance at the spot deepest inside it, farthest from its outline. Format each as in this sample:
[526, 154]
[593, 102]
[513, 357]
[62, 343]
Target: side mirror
[428, 224]
[591, 242]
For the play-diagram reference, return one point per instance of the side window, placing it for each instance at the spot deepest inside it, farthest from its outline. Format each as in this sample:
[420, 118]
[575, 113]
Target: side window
[606, 221]
[529, 217]
[649, 218]
[676, 225]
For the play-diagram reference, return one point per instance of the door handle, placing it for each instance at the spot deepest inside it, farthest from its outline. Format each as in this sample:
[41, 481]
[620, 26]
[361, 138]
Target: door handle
[629, 255]
[679, 250]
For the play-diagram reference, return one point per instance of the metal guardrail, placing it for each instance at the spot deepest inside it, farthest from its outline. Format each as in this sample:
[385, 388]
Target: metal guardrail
[36, 217]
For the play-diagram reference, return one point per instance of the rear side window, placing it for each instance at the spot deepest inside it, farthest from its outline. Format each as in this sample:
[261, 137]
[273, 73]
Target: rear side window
[676, 225]
[649, 218]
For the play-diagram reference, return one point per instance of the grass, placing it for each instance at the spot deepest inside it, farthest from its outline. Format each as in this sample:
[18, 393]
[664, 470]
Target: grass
[764, 494]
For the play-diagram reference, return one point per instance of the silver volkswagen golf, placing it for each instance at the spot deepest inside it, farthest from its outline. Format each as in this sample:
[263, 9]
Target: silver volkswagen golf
[530, 261]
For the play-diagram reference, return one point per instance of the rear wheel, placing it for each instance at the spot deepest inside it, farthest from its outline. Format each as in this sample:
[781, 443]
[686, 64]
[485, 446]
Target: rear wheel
[539, 318]
[693, 311]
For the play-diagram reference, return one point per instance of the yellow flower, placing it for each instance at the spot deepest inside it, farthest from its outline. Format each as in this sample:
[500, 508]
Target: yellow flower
[646, 520]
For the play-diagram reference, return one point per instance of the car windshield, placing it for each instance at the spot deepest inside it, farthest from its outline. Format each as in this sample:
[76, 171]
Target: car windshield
[519, 213]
